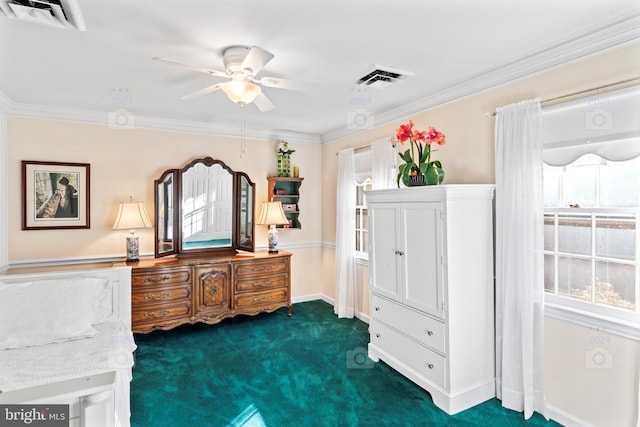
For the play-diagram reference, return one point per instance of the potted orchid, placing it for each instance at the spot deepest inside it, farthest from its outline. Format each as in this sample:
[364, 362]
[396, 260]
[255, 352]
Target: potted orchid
[420, 170]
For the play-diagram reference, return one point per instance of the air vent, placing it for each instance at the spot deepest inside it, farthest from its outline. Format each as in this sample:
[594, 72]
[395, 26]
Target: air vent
[55, 13]
[380, 77]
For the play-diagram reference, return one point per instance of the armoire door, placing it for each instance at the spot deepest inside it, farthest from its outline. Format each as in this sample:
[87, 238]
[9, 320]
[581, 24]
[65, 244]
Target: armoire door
[422, 256]
[384, 247]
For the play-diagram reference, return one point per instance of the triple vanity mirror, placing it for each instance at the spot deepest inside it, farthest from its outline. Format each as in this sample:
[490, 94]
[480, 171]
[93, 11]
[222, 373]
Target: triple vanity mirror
[204, 208]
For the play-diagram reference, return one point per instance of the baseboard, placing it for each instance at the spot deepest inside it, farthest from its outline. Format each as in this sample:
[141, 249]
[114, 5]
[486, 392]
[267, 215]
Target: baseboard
[564, 418]
[312, 297]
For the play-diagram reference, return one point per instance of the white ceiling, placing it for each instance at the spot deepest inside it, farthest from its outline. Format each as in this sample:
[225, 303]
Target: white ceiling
[454, 47]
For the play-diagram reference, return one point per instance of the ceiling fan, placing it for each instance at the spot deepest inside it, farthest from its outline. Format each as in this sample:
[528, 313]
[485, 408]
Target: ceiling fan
[242, 64]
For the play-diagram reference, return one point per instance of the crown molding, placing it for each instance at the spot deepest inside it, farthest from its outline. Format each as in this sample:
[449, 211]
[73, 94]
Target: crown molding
[621, 30]
[145, 122]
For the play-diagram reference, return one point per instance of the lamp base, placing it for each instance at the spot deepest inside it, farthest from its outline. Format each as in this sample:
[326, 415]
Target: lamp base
[133, 245]
[273, 240]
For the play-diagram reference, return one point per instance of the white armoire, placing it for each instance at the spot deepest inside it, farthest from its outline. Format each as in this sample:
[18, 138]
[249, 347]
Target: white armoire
[432, 289]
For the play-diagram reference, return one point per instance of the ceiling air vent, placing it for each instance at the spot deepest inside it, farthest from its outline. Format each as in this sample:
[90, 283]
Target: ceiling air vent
[55, 13]
[380, 76]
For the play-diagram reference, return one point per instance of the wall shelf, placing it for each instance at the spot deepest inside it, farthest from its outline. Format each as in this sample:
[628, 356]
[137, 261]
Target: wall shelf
[289, 188]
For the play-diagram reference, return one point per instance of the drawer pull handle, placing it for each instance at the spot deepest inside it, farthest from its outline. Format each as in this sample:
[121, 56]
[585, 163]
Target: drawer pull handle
[377, 308]
[163, 295]
[264, 298]
[377, 335]
[261, 267]
[160, 313]
[430, 333]
[261, 284]
[430, 365]
[159, 279]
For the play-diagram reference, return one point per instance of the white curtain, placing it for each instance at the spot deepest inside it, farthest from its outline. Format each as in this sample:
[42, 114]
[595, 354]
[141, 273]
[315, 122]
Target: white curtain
[383, 168]
[345, 304]
[519, 258]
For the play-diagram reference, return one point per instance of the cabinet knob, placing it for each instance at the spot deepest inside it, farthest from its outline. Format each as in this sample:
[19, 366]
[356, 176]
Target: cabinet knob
[399, 253]
[430, 333]
[377, 335]
[430, 365]
[377, 309]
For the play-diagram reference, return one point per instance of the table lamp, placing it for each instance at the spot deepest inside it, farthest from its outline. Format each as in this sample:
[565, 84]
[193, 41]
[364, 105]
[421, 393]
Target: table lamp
[131, 216]
[272, 215]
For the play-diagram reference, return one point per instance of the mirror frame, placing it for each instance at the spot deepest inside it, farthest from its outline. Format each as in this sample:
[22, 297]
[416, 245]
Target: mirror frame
[176, 220]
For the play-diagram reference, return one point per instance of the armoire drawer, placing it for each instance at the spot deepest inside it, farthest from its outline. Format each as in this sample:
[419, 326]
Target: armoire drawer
[425, 362]
[418, 326]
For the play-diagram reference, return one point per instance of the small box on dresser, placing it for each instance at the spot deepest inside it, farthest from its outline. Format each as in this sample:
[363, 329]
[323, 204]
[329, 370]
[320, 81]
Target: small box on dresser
[432, 308]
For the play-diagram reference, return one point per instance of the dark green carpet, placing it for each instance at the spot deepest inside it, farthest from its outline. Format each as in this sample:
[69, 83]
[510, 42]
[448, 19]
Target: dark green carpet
[275, 371]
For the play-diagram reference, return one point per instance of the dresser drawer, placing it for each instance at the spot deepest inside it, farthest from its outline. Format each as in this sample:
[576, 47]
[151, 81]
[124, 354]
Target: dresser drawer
[261, 298]
[418, 326]
[167, 277]
[418, 358]
[160, 294]
[262, 282]
[261, 267]
[160, 313]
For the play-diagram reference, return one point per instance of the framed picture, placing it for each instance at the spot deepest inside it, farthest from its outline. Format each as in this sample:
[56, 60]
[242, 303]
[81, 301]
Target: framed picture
[55, 195]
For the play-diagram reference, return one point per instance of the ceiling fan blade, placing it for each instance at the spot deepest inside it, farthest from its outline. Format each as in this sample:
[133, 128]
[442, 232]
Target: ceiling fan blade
[256, 59]
[203, 91]
[279, 83]
[263, 103]
[191, 67]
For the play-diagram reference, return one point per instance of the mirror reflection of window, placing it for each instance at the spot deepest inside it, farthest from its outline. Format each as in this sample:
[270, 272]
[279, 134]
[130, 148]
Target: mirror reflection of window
[207, 206]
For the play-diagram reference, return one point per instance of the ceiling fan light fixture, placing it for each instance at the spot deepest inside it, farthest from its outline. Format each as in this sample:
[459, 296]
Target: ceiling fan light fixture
[241, 92]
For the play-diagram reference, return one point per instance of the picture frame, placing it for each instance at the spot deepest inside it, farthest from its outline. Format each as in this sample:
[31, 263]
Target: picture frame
[55, 195]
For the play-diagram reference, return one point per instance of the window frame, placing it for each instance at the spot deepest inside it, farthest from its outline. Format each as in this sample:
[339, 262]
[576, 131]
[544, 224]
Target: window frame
[594, 315]
[359, 254]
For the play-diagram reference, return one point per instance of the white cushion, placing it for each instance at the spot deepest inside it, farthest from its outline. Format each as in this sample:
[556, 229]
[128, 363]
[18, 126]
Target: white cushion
[47, 311]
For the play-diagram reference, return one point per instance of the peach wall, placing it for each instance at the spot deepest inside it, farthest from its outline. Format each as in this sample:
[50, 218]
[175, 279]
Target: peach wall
[125, 163]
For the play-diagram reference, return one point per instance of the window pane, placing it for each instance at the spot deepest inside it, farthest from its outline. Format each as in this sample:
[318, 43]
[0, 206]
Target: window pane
[579, 186]
[357, 241]
[615, 284]
[551, 186]
[549, 233]
[358, 220]
[365, 219]
[549, 273]
[616, 237]
[365, 242]
[574, 277]
[574, 234]
[620, 184]
[359, 195]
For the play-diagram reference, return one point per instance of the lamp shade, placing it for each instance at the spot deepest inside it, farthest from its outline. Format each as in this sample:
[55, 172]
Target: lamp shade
[132, 215]
[272, 214]
[241, 92]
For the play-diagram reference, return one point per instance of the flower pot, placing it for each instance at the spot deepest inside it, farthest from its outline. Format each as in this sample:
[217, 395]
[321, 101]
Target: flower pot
[417, 181]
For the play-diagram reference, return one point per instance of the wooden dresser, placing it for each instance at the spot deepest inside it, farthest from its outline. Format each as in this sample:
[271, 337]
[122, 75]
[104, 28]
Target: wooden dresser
[167, 292]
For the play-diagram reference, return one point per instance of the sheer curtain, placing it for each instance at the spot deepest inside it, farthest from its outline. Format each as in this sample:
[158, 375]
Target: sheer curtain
[519, 258]
[383, 164]
[345, 235]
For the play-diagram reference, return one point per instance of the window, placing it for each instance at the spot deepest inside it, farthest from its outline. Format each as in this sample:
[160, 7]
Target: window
[591, 244]
[362, 220]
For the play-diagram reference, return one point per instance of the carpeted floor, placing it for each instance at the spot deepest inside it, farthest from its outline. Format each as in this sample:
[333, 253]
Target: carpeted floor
[275, 371]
